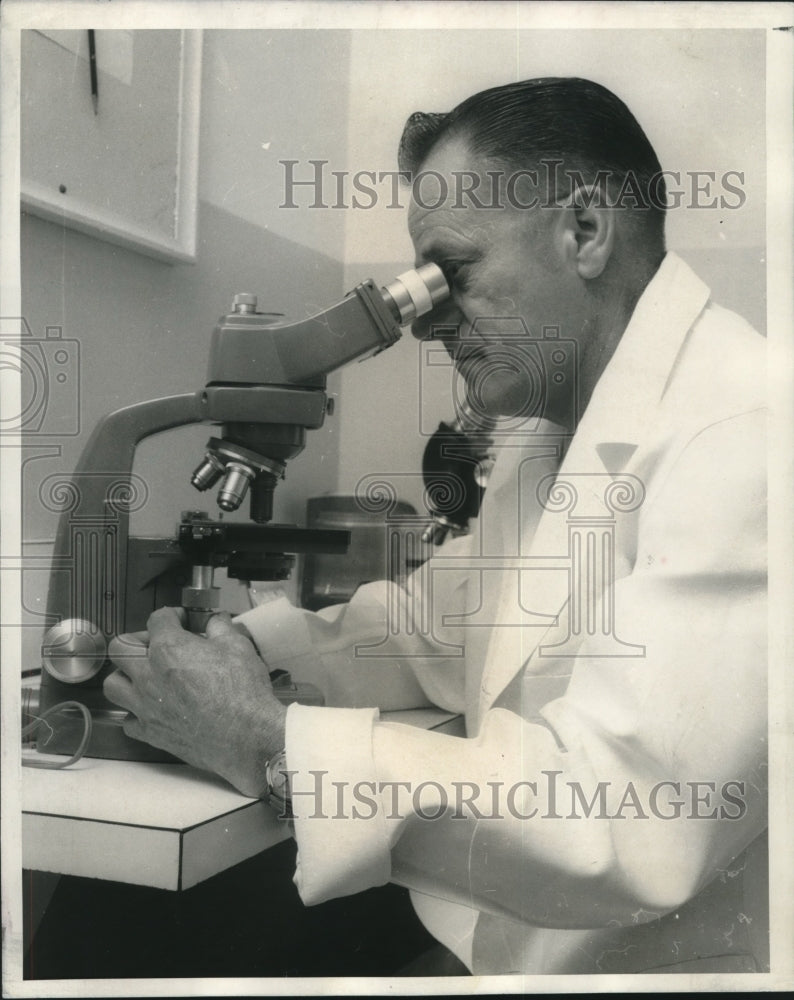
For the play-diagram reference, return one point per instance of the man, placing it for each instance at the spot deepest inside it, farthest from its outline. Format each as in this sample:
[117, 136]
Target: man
[606, 810]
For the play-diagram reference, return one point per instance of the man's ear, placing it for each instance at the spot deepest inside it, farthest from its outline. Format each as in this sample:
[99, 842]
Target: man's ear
[590, 232]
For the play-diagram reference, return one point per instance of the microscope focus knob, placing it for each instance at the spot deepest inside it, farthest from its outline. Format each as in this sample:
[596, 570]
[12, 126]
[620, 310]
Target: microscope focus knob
[244, 302]
[73, 651]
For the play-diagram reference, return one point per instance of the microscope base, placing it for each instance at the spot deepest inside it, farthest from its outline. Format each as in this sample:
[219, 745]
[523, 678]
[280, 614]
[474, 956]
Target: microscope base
[108, 739]
[63, 732]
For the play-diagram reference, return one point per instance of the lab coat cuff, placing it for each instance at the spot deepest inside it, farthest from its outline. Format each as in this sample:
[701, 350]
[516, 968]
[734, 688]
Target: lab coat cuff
[279, 628]
[342, 848]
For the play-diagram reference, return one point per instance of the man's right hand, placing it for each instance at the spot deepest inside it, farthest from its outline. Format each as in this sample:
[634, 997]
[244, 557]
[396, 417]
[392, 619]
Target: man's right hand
[206, 699]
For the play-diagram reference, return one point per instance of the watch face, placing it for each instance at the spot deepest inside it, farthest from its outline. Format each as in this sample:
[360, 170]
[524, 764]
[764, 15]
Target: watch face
[277, 778]
[280, 785]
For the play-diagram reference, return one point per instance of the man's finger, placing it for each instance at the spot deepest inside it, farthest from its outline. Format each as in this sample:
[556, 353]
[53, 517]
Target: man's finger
[128, 644]
[133, 728]
[134, 637]
[129, 651]
[220, 625]
[118, 689]
[163, 622]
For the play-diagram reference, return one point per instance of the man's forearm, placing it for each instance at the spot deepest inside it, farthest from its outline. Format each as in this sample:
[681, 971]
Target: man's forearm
[330, 649]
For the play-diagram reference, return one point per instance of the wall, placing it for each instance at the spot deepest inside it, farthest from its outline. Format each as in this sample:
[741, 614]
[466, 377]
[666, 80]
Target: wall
[142, 327]
[700, 96]
[270, 96]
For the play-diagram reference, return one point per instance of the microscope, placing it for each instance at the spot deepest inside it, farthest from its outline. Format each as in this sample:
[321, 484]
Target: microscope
[265, 389]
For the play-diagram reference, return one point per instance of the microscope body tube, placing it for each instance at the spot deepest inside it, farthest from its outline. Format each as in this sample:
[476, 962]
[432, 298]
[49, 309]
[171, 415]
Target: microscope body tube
[248, 348]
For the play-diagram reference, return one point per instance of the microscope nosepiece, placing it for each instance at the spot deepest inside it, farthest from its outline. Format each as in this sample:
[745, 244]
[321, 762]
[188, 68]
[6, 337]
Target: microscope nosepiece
[416, 292]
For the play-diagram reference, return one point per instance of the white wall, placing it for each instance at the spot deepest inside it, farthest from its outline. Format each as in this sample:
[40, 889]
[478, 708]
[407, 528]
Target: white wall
[271, 96]
[700, 96]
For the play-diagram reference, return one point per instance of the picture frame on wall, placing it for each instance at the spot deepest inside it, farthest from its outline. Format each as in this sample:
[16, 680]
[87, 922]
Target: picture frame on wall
[111, 135]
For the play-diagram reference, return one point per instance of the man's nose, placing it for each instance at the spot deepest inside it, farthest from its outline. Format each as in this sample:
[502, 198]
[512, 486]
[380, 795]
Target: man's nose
[443, 322]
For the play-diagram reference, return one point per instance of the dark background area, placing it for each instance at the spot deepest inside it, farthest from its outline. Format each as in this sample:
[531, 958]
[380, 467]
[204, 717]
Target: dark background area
[247, 921]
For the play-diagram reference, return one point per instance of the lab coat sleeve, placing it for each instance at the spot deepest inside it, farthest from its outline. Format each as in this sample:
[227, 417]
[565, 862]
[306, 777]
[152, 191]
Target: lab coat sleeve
[354, 653]
[646, 778]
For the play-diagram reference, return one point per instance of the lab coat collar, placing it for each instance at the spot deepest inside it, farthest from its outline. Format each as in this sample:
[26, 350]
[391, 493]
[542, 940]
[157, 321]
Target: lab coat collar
[627, 396]
[623, 407]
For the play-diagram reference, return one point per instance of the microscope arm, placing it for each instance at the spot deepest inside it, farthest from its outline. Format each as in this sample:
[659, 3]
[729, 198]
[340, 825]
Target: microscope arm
[249, 348]
[96, 500]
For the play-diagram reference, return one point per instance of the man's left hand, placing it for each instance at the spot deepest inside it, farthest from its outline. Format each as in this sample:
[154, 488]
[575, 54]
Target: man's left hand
[207, 700]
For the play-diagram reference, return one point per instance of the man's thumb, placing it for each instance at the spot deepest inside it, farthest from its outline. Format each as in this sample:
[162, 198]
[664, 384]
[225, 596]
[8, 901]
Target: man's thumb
[220, 625]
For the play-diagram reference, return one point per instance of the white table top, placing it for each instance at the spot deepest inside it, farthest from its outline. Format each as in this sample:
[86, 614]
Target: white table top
[169, 796]
[163, 825]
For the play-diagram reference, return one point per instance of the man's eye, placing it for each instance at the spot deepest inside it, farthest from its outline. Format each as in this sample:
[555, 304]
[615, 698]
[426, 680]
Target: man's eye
[454, 271]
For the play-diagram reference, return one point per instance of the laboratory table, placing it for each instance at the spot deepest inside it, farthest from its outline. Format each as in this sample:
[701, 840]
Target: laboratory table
[161, 870]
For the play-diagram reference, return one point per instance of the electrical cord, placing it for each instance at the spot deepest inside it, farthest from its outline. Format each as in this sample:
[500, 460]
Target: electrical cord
[31, 728]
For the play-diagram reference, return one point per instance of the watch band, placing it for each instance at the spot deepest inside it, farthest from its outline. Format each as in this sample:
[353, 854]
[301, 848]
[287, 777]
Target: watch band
[278, 790]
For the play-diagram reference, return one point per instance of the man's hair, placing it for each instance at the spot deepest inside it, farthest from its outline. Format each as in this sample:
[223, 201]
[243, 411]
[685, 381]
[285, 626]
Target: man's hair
[522, 125]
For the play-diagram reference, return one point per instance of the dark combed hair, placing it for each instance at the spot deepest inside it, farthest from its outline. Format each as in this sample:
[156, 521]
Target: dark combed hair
[566, 119]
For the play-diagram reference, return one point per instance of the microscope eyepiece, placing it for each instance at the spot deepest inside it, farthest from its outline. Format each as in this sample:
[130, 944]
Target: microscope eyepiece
[416, 292]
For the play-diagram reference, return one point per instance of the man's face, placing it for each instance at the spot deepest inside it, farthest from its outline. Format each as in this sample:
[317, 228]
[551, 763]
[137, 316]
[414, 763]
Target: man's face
[502, 264]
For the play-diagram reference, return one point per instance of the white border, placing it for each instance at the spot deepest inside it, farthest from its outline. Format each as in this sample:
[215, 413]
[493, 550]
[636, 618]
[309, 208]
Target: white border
[44, 14]
[780, 310]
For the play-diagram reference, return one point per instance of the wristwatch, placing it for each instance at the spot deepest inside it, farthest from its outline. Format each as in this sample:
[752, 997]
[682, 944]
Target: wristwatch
[278, 790]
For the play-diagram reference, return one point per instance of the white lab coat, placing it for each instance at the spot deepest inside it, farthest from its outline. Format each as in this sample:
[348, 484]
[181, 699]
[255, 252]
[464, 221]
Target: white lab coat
[663, 683]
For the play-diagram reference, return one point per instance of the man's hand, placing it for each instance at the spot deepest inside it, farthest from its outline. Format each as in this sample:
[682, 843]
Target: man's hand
[207, 700]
